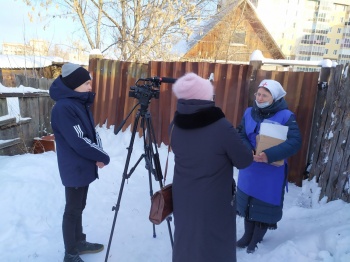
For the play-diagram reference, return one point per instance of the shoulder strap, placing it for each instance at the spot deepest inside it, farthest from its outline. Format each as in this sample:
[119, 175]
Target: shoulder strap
[167, 159]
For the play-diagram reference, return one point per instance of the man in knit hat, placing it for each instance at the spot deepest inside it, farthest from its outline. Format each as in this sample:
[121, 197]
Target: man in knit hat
[79, 153]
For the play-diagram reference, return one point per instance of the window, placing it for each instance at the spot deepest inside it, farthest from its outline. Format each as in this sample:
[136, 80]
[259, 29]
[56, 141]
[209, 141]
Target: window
[337, 41]
[326, 51]
[334, 52]
[339, 30]
[238, 37]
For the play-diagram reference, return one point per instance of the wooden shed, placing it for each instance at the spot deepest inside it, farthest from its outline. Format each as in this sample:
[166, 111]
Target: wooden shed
[18, 70]
[232, 35]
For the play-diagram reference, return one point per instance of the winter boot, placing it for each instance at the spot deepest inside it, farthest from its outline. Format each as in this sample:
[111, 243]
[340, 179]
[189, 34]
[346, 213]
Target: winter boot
[72, 258]
[248, 233]
[86, 247]
[258, 235]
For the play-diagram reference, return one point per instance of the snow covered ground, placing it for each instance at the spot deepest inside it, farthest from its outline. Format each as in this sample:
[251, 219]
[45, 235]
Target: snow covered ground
[32, 203]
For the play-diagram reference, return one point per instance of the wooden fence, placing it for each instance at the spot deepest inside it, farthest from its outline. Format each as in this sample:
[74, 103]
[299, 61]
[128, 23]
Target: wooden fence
[331, 150]
[35, 112]
[234, 88]
[322, 112]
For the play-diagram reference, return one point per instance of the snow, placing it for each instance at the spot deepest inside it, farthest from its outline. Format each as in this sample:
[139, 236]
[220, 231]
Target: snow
[20, 89]
[27, 61]
[32, 204]
[95, 52]
[257, 55]
[330, 135]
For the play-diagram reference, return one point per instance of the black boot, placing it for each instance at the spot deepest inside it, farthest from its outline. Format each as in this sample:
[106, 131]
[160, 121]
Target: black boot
[248, 233]
[87, 247]
[72, 258]
[258, 235]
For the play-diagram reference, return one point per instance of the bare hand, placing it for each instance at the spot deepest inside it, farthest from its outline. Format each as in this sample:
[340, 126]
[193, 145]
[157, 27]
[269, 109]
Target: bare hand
[100, 164]
[260, 158]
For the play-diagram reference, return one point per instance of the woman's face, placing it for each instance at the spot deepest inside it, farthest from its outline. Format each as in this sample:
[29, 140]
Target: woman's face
[263, 96]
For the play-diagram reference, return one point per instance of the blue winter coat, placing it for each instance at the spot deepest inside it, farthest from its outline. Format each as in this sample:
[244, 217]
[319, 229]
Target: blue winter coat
[261, 185]
[78, 144]
[206, 148]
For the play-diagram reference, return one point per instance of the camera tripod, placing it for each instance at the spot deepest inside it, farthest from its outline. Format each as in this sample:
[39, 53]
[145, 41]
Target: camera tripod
[151, 157]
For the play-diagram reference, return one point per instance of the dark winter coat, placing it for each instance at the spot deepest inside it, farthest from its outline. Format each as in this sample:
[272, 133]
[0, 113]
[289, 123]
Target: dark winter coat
[261, 185]
[78, 145]
[206, 148]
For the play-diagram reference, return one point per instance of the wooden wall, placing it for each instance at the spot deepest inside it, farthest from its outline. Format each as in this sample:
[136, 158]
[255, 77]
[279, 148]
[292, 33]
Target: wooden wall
[218, 44]
[35, 121]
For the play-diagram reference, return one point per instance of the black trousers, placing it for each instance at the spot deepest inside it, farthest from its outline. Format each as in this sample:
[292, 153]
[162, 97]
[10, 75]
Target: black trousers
[72, 218]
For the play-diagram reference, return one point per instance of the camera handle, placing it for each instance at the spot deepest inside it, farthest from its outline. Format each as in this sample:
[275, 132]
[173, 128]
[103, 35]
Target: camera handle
[151, 157]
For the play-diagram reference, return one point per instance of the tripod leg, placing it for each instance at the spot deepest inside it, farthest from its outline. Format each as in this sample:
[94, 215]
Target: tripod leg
[149, 165]
[153, 154]
[150, 147]
[125, 176]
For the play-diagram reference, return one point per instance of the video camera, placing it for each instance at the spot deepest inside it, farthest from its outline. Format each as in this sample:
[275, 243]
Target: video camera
[147, 88]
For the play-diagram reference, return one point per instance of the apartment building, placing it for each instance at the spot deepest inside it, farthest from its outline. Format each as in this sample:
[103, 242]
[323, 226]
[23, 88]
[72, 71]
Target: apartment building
[34, 47]
[37, 47]
[308, 29]
[15, 49]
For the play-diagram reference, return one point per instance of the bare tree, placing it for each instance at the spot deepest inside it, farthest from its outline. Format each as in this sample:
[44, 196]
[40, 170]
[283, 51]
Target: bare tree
[134, 30]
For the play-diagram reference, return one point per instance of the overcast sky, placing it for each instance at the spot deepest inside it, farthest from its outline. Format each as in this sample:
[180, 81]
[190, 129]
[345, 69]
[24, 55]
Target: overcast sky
[16, 27]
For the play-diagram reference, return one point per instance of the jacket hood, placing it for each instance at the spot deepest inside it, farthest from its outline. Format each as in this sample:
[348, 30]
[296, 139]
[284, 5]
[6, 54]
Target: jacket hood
[58, 90]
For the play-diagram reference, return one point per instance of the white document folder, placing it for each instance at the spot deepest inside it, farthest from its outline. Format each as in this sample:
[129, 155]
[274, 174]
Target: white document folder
[274, 129]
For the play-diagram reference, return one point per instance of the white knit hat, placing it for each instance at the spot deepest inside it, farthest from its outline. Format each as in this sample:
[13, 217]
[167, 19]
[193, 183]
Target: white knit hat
[192, 86]
[274, 87]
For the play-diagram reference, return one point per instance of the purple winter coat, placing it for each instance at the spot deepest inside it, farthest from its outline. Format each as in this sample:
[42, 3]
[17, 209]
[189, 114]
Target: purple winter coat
[206, 148]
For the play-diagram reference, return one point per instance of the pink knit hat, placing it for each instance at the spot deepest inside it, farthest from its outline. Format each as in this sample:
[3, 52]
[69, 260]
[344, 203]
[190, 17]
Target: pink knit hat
[192, 86]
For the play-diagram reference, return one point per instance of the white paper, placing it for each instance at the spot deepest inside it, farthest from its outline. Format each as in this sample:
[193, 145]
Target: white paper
[275, 130]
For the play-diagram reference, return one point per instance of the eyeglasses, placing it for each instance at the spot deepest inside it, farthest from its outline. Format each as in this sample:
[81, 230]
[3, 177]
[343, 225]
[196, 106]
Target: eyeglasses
[265, 96]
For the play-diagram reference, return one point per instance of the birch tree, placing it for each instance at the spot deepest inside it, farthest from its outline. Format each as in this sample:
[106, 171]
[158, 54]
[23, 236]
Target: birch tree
[134, 30]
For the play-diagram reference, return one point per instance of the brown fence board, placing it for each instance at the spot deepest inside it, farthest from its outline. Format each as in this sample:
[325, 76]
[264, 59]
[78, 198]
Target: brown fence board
[234, 88]
[118, 100]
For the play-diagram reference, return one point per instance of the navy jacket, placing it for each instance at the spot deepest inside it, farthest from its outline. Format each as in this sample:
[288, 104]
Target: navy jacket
[206, 148]
[78, 145]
